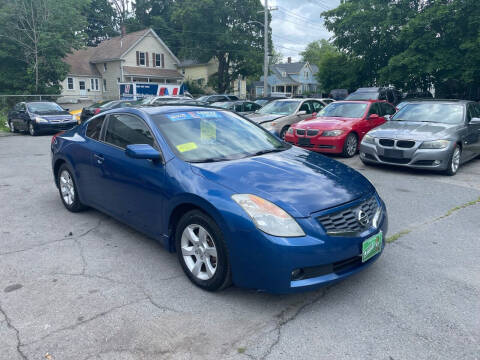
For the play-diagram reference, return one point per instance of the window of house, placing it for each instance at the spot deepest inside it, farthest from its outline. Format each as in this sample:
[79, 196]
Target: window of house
[81, 85]
[141, 58]
[96, 84]
[118, 80]
[158, 60]
[104, 67]
[92, 84]
[284, 74]
[306, 74]
[70, 83]
[104, 85]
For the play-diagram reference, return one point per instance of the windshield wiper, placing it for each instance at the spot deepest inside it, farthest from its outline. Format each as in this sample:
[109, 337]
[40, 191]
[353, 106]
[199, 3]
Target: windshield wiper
[267, 151]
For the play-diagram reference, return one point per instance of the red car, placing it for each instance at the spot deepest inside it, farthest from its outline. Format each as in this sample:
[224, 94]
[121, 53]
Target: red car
[339, 127]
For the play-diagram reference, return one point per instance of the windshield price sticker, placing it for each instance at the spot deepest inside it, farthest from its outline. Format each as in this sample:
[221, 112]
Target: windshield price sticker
[208, 131]
[193, 115]
[186, 147]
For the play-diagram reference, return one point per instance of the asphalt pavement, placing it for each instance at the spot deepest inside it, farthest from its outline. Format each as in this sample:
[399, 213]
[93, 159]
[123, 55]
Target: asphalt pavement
[84, 286]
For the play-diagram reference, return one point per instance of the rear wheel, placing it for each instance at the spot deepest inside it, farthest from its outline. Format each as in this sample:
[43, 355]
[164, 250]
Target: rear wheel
[68, 190]
[202, 252]
[12, 127]
[454, 162]
[350, 146]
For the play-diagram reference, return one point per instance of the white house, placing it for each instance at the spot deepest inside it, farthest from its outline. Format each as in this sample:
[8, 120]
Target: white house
[141, 56]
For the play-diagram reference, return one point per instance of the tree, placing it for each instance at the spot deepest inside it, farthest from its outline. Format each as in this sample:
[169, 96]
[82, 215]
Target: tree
[336, 70]
[220, 29]
[276, 57]
[101, 21]
[316, 50]
[39, 33]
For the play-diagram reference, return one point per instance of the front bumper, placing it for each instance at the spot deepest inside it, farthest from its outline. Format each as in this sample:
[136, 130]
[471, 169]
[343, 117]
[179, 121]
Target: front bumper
[322, 144]
[266, 262]
[427, 159]
[54, 127]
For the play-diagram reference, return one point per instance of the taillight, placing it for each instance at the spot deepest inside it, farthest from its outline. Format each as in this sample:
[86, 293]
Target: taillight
[96, 111]
[54, 137]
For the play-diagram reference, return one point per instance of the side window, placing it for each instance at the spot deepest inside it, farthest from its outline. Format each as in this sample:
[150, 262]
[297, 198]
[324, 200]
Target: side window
[22, 107]
[238, 107]
[471, 113]
[306, 107]
[123, 130]
[388, 109]
[16, 107]
[375, 109]
[390, 97]
[94, 128]
[317, 106]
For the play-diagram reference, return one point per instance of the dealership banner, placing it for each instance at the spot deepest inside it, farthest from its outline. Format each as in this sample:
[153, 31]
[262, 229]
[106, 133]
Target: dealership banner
[135, 91]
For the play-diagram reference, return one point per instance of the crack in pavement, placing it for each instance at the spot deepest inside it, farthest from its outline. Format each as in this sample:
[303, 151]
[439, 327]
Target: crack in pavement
[399, 234]
[284, 320]
[133, 352]
[17, 333]
[65, 238]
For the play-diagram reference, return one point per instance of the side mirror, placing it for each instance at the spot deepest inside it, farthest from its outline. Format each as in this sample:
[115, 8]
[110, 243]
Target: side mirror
[66, 109]
[143, 151]
[302, 112]
[314, 114]
[373, 117]
[475, 121]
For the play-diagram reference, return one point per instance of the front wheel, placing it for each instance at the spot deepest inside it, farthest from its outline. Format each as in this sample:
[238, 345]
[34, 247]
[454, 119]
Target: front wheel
[12, 127]
[202, 252]
[283, 132]
[350, 146]
[31, 129]
[454, 162]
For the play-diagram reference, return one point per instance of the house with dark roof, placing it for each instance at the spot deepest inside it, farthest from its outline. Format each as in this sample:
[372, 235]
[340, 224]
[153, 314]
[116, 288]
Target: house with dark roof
[141, 56]
[290, 78]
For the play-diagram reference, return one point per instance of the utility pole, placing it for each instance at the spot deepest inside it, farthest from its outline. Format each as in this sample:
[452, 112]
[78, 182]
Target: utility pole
[266, 89]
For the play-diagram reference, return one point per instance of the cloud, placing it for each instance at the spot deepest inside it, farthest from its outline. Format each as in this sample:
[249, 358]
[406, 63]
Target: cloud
[296, 23]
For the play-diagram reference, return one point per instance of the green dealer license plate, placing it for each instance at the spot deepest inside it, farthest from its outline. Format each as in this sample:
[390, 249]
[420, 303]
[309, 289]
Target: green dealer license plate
[372, 246]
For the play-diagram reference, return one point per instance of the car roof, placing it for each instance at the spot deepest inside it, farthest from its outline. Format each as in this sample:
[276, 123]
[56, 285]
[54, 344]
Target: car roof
[164, 109]
[444, 101]
[362, 101]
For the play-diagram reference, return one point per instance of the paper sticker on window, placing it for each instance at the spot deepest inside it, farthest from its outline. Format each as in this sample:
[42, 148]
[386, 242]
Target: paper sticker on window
[179, 116]
[186, 147]
[208, 131]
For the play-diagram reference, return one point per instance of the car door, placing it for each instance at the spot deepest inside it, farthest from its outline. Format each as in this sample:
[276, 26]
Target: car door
[23, 118]
[12, 115]
[368, 123]
[471, 142]
[133, 189]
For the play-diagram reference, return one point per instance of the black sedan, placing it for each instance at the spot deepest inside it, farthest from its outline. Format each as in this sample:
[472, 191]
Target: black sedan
[102, 106]
[217, 98]
[240, 107]
[39, 117]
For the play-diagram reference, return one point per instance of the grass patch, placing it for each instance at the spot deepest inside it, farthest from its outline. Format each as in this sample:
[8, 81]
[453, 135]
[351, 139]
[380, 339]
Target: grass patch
[3, 122]
[397, 236]
[241, 350]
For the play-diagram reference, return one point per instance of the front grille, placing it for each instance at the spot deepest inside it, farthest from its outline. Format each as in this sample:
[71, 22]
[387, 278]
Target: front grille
[394, 160]
[300, 132]
[347, 264]
[338, 267]
[312, 132]
[386, 142]
[407, 144]
[345, 221]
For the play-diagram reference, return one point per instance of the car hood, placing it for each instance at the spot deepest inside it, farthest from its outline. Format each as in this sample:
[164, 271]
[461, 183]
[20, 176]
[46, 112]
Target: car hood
[261, 118]
[411, 130]
[299, 181]
[324, 123]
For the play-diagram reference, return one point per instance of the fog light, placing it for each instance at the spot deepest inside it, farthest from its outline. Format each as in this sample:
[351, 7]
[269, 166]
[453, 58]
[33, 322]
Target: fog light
[297, 274]
[362, 154]
[436, 162]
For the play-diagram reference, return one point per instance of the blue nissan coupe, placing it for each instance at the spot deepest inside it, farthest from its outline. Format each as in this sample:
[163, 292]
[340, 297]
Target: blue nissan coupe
[236, 204]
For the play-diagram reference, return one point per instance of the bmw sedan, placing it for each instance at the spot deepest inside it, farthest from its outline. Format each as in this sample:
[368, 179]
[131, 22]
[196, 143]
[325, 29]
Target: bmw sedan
[38, 117]
[223, 193]
[433, 135]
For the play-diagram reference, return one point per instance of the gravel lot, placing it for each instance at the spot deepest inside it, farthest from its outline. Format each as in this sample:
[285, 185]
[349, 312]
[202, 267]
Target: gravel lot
[83, 286]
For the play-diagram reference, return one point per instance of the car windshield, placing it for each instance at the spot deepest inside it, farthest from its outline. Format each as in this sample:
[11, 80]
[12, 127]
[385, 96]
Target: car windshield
[430, 112]
[261, 102]
[363, 96]
[280, 108]
[345, 110]
[214, 135]
[42, 107]
[224, 105]
[108, 104]
[203, 98]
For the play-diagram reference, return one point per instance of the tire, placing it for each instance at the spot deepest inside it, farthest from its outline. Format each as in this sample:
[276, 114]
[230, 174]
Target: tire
[12, 127]
[68, 190]
[350, 146]
[31, 129]
[454, 162]
[205, 262]
[283, 132]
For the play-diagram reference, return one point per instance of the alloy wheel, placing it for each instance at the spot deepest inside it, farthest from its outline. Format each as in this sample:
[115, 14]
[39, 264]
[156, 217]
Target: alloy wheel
[11, 125]
[455, 160]
[199, 252]
[66, 188]
[351, 145]
[31, 129]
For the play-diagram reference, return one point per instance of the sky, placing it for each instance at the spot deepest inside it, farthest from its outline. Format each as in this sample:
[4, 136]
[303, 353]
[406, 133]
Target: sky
[296, 23]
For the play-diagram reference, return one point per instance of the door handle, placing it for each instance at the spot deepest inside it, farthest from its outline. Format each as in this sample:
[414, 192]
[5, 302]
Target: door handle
[100, 159]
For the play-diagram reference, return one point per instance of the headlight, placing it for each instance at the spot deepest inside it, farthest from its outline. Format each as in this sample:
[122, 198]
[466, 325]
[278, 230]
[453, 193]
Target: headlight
[74, 117]
[332, 133]
[268, 125]
[290, 131]
[268, 217]
[40, 120]
[368, 139]
[437, 144]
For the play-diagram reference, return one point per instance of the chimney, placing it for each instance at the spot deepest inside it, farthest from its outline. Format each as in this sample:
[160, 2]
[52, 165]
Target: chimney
[123, 30]
[289, 60]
